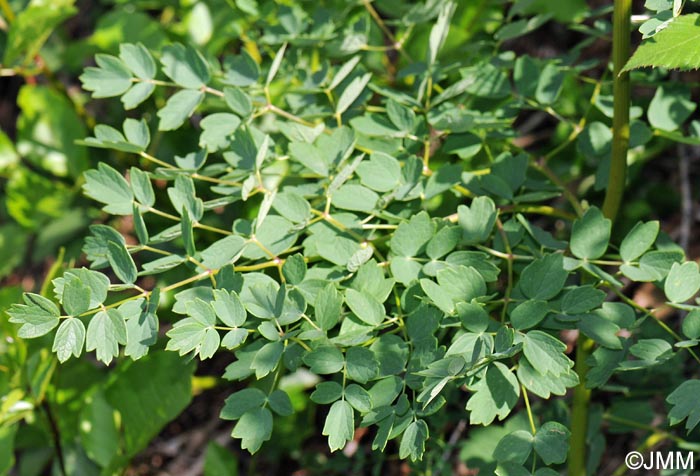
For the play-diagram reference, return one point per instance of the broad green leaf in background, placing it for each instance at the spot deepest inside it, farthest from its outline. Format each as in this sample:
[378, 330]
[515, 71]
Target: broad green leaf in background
[675, 47]
[200, 23]
[43, 139]
[32, 27]
[443, 300]
[13, 242]
[595, 142]
[218, 460]
[401, 116]
[461, 283]
[571, 11]
[292, 206]
[521, 27]
[653, 266]
[525, 75]
[267, 359]
[183, 196]
[148, 394]
[98, 429]
[358, 398]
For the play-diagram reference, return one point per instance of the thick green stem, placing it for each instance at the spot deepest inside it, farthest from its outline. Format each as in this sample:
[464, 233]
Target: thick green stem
[579, 411]
[611, 205]
[621, 106]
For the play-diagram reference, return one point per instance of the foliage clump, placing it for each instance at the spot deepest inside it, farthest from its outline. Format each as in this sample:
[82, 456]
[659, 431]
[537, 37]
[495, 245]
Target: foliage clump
[352, 204]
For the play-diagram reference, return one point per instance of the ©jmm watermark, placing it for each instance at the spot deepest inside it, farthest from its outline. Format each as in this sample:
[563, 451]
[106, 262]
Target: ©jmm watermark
[659, 460]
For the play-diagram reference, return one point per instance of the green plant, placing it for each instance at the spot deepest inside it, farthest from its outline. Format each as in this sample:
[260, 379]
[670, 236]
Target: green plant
[383, 230]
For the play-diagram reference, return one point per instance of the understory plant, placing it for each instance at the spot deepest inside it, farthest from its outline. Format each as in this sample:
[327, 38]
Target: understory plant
[344, 201]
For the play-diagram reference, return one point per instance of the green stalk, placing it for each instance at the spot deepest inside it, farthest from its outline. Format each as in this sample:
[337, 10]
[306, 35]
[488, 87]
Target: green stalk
[621, 107]
[579, 411]
[611, 205]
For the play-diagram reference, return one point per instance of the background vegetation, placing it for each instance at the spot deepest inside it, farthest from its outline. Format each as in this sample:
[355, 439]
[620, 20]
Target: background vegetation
[359, 237]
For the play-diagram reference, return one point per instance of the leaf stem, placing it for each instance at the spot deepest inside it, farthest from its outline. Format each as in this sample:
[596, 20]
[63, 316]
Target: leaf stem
[530, 417]
[570, 197]
[641, 426]
[155, 160]
[509, 265]
[650, 313]
[290, 116]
